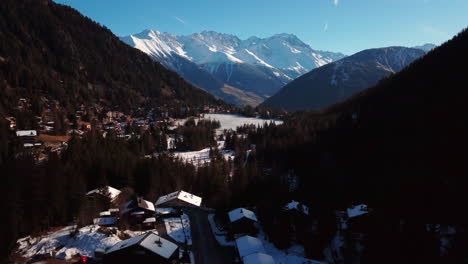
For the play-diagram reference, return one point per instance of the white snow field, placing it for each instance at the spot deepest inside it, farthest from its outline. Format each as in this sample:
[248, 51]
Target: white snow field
[85, 242]
[233, 121]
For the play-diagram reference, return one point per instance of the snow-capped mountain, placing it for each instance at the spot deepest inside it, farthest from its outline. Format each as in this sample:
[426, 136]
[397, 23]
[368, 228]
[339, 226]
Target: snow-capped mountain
[335, 81]
[256, 65]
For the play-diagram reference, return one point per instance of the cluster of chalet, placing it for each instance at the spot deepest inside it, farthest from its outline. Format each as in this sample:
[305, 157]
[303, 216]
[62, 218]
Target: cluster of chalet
[244, 226]
[142, 215]
[100, 118]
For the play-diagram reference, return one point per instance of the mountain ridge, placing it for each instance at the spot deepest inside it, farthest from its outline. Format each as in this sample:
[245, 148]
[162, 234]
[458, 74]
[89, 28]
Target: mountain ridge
[334, 82]
[273, 61]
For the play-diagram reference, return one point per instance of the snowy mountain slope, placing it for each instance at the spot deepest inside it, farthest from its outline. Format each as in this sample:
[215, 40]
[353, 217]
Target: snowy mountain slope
[426, 47]
[333, 82]
[165, 49]
[256, 65]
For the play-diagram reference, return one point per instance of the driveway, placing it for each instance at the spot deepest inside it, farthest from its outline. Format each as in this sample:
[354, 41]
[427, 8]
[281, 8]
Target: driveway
[204, 245]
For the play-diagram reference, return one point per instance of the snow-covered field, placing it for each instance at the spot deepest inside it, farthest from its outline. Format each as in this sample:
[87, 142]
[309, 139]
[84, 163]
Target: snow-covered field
[229, 121]
[61, 245]
[233, 121]
[201, 156]
[179, 228]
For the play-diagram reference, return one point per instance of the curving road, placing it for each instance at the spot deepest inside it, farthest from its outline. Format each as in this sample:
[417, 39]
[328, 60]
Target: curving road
[204, 245]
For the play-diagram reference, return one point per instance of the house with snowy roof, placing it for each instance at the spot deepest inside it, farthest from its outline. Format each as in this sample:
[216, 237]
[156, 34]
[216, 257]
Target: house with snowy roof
[178, 199]
[247, 245]
[105, 191]
[296, 208]
[137, 211]
[251, 251]
[358, 219]
[295, 219]
[242, 221]
[142, 249]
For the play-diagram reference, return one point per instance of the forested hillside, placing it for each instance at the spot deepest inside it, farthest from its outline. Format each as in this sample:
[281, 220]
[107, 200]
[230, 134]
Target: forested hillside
[338, 80]
[399, 146]
[52, 51]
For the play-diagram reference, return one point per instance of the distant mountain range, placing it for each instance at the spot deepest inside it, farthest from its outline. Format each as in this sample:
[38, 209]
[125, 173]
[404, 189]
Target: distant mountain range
[333, 82]
[239, 71]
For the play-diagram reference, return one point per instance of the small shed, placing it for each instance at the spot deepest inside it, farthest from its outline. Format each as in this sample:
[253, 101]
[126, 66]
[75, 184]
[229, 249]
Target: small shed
[142, 249]
[258, 258]
[177, 199]
[242, 221]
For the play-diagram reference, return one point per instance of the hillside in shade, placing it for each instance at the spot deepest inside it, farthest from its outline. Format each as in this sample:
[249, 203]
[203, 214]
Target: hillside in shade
[335, 81]
[52, 51]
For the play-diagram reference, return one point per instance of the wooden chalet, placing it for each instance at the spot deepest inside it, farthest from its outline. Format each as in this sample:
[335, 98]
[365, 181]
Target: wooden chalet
[148, 248]
[137, 211]
[178, 199]
[242, 221]
[251, 251]
[295, 216]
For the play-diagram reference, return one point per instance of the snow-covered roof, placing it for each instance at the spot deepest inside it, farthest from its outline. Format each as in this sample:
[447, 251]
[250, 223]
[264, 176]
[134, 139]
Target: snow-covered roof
[295, 205]
[149, 241]
[259, 258]
[146, 204]
[113, 193]
[163, 211]
[239, 213]
[105, 213]
[104, 221]
[247, 245]
[26, 133]
[138, 203]
[357, 210]
[149, 220]
[181, 195]
[138, 213]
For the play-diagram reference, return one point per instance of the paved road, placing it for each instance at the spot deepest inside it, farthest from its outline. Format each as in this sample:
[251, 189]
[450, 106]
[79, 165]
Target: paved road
[204, 245]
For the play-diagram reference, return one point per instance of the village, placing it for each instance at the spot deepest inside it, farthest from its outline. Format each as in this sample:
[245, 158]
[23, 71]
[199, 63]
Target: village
[177, 228]
[50, 131]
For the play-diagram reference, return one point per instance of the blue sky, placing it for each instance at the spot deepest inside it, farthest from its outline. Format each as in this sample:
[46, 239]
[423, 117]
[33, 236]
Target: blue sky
[346, 26]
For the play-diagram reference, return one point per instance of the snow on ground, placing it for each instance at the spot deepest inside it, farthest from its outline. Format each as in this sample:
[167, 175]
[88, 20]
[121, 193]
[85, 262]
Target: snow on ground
[230, 121]
[61, 245]
[179, 228]
[220, 235]
[292, 255]
[202, 156]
